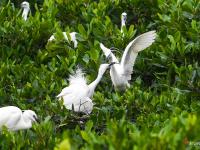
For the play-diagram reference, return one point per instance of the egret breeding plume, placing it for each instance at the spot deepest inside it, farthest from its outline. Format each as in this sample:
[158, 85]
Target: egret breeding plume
[121, 72]
[77, 95]
[72, 36]
[14, 119]
[123, 21]
[26, 9]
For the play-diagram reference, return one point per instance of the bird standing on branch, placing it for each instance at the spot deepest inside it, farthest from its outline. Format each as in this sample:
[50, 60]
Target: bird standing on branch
[15, 119]
[123, 22]
[26, 8]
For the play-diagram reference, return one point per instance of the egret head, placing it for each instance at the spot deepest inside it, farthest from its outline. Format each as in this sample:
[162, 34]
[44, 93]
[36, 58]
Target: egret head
[124, 17]
[30, 115]
[25, 5]
[106, 51]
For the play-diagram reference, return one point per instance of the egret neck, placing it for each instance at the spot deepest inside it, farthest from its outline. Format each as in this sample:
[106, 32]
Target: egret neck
[123, 24]
[25, 13]
[93, 85]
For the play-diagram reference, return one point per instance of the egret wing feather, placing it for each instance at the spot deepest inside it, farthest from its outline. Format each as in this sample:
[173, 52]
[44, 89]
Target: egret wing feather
[76, 91]
[78, 78]
[130, 54]
[10, 116]
[64, 91]
[75, 80]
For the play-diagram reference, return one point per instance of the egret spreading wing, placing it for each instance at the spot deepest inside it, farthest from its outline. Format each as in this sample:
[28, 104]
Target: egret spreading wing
[130, 54]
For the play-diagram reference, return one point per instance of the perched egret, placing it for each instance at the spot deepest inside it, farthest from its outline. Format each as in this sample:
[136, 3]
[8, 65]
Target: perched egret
[72, 36]
[77, 95]
[14, 119]
[123, 21]
[26, 9]
[121, 72]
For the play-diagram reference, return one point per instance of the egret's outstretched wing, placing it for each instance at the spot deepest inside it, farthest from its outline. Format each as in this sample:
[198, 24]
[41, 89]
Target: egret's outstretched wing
[10, 116]
[138, 44]
[107, 52]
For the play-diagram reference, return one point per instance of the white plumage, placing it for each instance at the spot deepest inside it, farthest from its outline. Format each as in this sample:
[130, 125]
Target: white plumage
[14, 119]
[26, 8]
[77, 95]
[123, 21]
[72, 36]
[121, 72]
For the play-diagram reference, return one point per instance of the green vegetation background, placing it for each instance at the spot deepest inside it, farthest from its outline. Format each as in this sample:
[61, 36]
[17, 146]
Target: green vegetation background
[161, 109]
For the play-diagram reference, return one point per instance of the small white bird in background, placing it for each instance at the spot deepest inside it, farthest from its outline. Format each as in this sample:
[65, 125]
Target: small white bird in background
[121, 72]
[14, 119]
[72, 36]
[123, 21]
[77, 95]
[26, 8]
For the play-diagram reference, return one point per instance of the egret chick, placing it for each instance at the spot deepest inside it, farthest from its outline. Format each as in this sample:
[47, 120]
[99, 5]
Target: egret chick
[72, 36]
[77, 95]
[121, 72]
[26, 8]
[14, 119]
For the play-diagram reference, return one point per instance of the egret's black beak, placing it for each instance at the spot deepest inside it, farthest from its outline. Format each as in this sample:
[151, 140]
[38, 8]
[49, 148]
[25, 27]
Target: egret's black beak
[112, 63]
[36, 119]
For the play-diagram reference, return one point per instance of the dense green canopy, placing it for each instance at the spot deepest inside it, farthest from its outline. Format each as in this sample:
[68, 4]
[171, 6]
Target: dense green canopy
[159, 111]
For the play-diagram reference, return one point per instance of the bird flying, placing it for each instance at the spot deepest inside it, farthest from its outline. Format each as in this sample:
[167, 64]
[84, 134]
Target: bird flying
[77, 95]
[26, 8]
[14, 119]
[120, 72]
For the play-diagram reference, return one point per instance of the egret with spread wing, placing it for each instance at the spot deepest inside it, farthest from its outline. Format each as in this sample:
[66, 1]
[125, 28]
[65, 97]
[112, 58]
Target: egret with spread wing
[121, 72]
[77, 95]
[14, 119]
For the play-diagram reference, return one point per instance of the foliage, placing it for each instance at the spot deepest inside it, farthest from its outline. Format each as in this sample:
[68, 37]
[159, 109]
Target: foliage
[161, 109]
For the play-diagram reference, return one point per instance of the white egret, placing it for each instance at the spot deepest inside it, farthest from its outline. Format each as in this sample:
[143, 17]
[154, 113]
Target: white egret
[77, 95]
[72, 36]
[121, 72]
[26, 8]
[14, 119]
[123, 21]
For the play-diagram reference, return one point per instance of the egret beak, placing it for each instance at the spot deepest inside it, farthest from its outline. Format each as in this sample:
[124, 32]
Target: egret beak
[112, 63]
[36, 119]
